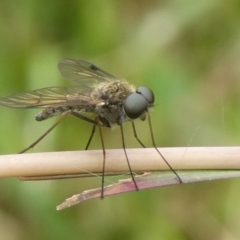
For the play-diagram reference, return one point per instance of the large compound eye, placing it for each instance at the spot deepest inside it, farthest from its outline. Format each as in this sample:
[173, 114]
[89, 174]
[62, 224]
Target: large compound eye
[135, 105]
[147, 93]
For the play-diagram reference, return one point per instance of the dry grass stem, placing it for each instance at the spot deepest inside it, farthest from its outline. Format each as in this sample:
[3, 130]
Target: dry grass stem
[141, 160]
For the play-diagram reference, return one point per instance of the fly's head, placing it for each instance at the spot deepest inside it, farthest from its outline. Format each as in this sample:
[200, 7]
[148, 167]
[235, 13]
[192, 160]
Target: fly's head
[136, 104]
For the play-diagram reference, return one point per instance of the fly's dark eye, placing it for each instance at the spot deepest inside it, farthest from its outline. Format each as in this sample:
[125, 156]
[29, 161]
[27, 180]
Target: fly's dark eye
[147, 93]
[135, 105]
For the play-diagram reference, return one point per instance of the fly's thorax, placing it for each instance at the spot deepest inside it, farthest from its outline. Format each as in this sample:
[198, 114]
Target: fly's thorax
[110, 97]
[114, 92]
[111, 113]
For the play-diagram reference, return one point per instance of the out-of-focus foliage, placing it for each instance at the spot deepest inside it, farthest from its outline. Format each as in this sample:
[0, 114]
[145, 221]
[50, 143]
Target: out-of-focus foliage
[188, 52]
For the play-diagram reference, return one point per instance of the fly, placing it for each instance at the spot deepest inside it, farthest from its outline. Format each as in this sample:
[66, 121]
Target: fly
[112, 102]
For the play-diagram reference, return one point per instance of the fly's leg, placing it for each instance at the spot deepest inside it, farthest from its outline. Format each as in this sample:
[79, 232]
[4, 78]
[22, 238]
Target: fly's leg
[104, 156]
[95, 123]
[91, 136]
[45, 134]
[129, 166]
[154, 145]
[136, 136]
[78, 115]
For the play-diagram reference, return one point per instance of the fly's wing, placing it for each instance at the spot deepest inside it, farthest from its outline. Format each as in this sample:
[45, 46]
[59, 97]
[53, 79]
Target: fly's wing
[82, 72]
[50, 97]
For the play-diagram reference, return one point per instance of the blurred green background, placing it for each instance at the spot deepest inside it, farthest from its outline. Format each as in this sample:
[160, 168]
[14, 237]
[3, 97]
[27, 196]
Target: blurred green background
[188, 52]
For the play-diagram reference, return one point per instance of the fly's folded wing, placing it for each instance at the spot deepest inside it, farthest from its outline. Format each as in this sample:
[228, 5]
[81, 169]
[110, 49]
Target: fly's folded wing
[50, 97]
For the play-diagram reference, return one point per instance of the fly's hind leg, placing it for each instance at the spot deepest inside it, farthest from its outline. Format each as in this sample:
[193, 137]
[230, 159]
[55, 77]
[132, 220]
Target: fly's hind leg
[45, 134]
[80, 116]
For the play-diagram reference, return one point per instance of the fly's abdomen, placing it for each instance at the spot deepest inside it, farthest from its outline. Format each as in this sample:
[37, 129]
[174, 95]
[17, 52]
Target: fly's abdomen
[51, 112]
